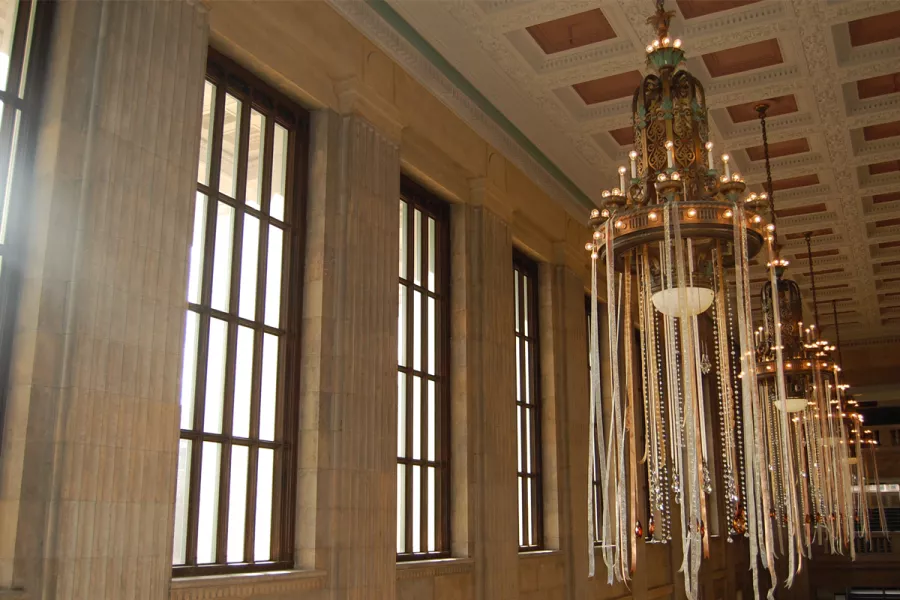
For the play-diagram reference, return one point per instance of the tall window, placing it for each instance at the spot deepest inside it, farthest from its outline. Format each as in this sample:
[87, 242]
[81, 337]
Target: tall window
[423, 403]
[528, 404]
[24, 27]
[596, 483]
[238, 420]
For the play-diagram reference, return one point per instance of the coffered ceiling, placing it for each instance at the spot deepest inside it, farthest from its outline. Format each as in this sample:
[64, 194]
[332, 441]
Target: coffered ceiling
[564, 72]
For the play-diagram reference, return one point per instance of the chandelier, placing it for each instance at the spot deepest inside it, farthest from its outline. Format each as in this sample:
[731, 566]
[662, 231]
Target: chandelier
[802, 472]
[670, 237]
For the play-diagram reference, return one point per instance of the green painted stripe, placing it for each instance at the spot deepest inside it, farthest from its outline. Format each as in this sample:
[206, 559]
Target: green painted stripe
[392, 18]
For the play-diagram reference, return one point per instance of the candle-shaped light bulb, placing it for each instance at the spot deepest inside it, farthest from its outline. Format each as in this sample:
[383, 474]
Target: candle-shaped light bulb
[725, 159]
[709, 156]
[622, 177]
[670, 153]
[633, 156]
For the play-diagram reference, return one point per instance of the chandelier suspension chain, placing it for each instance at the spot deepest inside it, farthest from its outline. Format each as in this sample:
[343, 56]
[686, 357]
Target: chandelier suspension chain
[761, 109]
[812, 277]
[837, 331]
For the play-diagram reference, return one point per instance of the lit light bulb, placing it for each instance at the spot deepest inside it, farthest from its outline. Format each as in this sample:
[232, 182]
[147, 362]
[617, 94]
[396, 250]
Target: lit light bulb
[770, 227]
[666, 41]
[652, 216]
[616, 192]
[662, 177]
[632, 154]
[596, 235]
[676, 176]
[589, 247]
[595, 213]
[656, 43]
[735, 176]
[649, 49]
[594, 255]
[604, 213]
[692, 212]
[757, 219]
[605, 193]
[620, 224]
[728, 214]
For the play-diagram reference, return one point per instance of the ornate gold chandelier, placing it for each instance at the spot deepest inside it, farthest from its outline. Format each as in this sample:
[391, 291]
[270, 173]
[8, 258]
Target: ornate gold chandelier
[670, 239]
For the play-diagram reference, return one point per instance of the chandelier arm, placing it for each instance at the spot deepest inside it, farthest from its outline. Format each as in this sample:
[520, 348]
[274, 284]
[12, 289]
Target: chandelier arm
[837, 332]
[761, 109]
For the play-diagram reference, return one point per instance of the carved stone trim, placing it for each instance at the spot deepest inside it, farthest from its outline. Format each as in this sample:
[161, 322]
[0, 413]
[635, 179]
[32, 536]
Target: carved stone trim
[220, 587]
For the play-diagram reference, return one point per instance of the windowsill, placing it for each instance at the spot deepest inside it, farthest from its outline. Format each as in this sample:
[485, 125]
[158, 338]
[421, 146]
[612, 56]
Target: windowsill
[245, 584]
[13, 595]
[417, 569]
[543, 553]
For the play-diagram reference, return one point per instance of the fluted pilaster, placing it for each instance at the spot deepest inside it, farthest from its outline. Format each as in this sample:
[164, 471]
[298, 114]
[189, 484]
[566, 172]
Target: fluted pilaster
[88, 467]
[350, 359]
[482, 243]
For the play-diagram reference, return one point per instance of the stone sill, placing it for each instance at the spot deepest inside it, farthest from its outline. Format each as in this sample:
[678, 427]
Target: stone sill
[419, 569]
[13, 595]
[245, 585]
[539, 553]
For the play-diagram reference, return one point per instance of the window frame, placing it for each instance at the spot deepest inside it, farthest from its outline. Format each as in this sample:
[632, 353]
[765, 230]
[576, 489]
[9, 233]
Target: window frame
[525, 268]
[29, 58]
[255, 94]
[417, 197]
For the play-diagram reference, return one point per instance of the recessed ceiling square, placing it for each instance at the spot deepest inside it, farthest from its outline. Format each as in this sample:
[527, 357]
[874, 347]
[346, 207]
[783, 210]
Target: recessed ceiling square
[613, 87]
[877, 28]
[881, 131]
[779, 149]
[891, 197]
[795, 182]
[819, 253]
[888, 222]
[798, 211]
[624, 136]
[573, 31]
[887, 166]
[781, 105]
[824, 272]
[878, 86]
[813, 233]
[691, 9]
[743, 58]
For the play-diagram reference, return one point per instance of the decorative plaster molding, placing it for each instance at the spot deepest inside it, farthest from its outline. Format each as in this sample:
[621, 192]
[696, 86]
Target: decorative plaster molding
[245, 585]
[434, 568]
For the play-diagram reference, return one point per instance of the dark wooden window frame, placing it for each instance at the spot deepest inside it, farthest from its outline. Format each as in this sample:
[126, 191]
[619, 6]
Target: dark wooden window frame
[524, 268]
[24, 99]
[253, 93]
[419, 198]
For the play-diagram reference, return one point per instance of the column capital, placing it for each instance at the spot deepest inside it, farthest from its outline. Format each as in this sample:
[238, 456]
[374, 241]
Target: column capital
[485, 193]
[355, 97]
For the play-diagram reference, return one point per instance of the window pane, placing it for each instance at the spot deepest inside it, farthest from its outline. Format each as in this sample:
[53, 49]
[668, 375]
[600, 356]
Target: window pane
[182, 481]
[417, 418]
[402, 317]
[206, 129]
[401, 415]
[207, 520]
[404, 235]
[279, 172]
[432, 336]
[262, 547]
[255, 159]
[432, 428]
[231, 132]
[432, 504]
[237, 503]
[7, 192]
[417, 247]
[215, 376]
[249, 262]
[268, 388]
[417, 509]
[221, 283]
[195, 268]
[417, 331]
[243, 382]
[8, 14]
[401, 509]
[432, 241]
[273, 276]
[189, 368]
